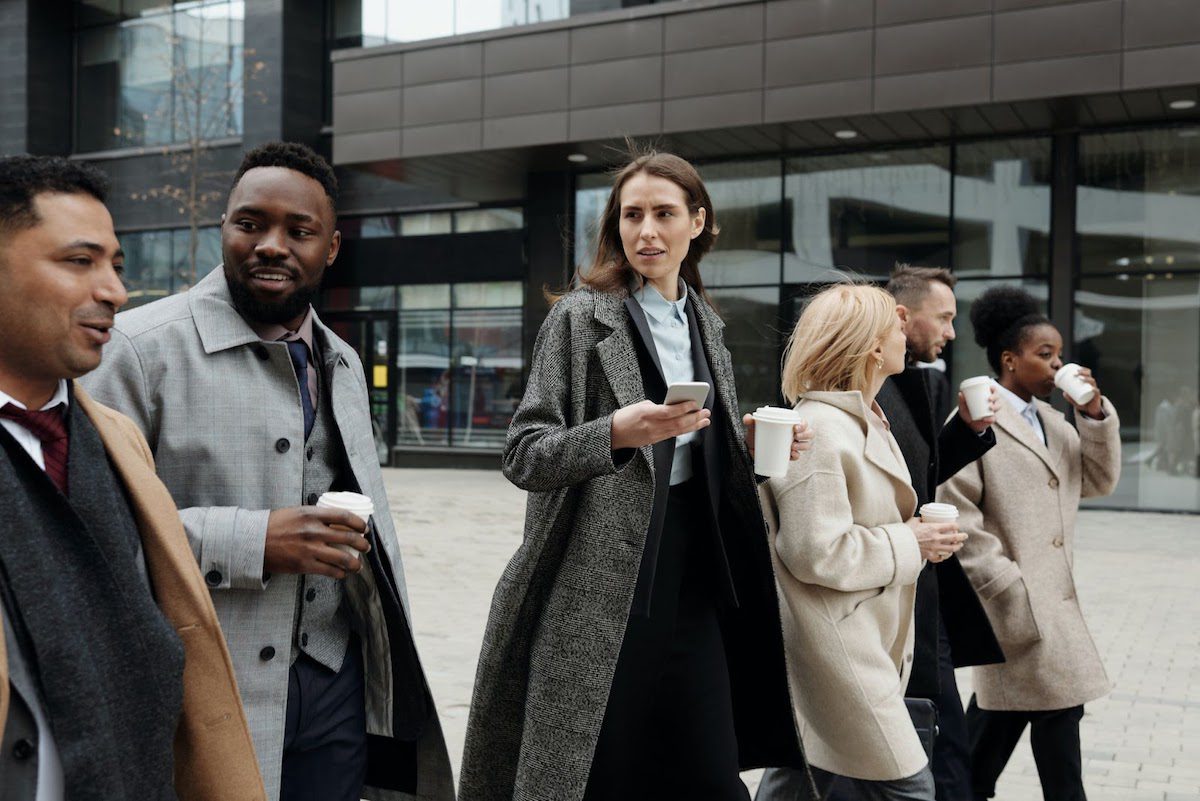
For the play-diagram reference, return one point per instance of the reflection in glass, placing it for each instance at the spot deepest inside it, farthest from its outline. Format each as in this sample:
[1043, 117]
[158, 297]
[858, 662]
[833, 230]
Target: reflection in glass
[863, 212]
[1002, 208]
[466, 222]
[487, 375]
[747, 198]
[159, 263]
[1143, 342]
[366, 23]
[437, 222]
[591, 193]
[754, 335]
[423, 362]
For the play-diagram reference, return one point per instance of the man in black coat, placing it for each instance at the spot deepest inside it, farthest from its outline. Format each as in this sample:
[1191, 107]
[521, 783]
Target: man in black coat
[951, 627]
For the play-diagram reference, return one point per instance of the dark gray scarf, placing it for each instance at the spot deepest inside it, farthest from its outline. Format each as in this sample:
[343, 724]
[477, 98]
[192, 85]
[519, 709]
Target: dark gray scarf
[107, 665]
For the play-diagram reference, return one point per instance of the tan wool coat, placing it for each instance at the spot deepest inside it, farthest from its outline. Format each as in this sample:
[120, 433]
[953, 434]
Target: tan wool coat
[214, 756]
[846, 568]
[1018, 505]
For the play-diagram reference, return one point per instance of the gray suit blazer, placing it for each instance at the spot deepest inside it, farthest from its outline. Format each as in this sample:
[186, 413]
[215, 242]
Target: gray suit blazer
[221, 412]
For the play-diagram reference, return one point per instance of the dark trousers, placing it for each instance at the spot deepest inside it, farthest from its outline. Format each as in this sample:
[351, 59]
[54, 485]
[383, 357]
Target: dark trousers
[951, 748]
[325, 737]
[668, 727]
[1053, 736]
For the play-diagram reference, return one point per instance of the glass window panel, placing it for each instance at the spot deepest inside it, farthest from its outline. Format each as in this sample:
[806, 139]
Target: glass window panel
[186, 271]
[1140, 334]
[146, 73]
[747, 198]
[136, 8]
[1138, 201]
[425, 296]
[466, 222]
[754, 336]
[1002, 208]
[491, 295]
[966, 359]
[423, 384]
[98, 121]
[148, 266]
[591, 193]
[863, 212]
[487, 375]
[437, 222]
[97, 12]
[379, 226]
[358, 298]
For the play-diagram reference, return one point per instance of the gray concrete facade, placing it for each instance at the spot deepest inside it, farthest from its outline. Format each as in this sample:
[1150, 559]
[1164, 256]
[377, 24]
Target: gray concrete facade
[724, 64]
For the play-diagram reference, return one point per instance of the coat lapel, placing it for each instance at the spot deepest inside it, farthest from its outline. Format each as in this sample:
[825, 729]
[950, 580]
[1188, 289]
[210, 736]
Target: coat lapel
[1053, 423]
[712, 337]
[642, 326]
[617, 356]
[876, 450]
[1022, 432]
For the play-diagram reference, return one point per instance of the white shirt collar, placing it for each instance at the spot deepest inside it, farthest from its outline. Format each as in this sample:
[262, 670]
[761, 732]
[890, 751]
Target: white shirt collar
[1014, 400]
[60, 396]
[658, 307]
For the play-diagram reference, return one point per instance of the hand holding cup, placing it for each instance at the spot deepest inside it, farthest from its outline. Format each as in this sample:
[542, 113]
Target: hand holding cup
[802, 437]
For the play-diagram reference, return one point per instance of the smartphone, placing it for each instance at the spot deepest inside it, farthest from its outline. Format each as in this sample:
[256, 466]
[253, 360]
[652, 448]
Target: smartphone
[687, 391]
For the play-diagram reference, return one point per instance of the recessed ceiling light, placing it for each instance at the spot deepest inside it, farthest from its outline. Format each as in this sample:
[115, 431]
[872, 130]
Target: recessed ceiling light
[577, 158]
[845, 134]
[1182, 105]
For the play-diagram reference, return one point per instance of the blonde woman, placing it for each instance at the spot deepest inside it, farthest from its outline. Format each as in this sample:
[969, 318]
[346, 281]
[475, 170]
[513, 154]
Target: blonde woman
[847, 551]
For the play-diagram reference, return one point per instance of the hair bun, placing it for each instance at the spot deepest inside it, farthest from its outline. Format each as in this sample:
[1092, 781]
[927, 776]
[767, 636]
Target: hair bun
[997, 309]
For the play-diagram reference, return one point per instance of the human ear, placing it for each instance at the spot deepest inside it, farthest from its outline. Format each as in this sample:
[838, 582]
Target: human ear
[698, 221]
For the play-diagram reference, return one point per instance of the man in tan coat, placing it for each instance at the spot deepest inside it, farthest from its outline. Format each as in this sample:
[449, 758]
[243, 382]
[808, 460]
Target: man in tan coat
[115, 685]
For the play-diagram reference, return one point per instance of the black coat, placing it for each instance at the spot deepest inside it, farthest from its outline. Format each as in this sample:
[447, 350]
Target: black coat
[943, 589]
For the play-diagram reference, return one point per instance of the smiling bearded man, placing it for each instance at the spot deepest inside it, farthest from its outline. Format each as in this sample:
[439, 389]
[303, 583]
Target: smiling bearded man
[253, 409]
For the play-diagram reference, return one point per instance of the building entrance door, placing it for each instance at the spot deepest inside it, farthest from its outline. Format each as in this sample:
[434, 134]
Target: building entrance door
[373, 335]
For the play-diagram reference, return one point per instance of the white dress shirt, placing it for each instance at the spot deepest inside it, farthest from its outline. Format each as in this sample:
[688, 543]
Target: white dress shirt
[1026, 409]
[672, 339]
[50, 774]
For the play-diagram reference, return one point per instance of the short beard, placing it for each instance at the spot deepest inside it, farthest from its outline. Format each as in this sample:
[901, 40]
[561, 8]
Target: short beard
[280, 313]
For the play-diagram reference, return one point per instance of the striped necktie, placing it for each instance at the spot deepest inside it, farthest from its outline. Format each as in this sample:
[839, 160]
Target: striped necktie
[50, 427]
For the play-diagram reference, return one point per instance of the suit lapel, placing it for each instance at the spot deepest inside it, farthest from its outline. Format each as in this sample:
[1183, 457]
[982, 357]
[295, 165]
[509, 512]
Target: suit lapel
[1008, 419]
[638, 315]
[1053, 423]
[616, 352]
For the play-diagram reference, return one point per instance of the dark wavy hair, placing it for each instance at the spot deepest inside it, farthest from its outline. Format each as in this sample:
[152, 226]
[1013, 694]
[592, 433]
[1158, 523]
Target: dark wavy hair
[293, 156]
[610, 271]
[1002, 317]
[22, 178]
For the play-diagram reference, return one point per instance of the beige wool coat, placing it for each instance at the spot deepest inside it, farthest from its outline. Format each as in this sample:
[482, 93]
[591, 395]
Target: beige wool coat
[1018, 505]
[846, 569]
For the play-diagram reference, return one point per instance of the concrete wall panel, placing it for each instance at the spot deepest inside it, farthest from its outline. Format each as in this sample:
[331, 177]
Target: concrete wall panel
[523, 53]
[713, 111]
[715, 71]
[790, 18]
[716, 27]
[616, 40]
[837, 99]
[445, 63]
[525, 93]
[933, 89]
[603, 122]
[367, 111]
[928, 46]
[1057, 77]
[1043, 33]
[819, 59]
[451, 101]
[629, 80]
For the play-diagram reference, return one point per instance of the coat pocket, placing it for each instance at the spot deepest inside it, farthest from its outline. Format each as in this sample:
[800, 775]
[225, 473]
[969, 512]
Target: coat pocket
[1011, 614]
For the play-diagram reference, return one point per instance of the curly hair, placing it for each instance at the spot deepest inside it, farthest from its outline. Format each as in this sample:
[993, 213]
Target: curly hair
[293, 156]
[22, 178]
[1002, 316]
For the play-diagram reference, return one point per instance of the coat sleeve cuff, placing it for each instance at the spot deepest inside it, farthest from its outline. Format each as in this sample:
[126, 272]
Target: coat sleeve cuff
[232, 543]
[1001, 582]
[1097, 430]
[906, 552]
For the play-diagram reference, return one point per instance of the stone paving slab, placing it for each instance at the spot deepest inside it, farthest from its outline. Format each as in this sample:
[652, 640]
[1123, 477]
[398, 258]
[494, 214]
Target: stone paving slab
[1138, 577]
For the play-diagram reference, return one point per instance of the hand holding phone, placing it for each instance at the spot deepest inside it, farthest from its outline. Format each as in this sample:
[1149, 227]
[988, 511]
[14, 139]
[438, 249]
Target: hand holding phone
[695, 391]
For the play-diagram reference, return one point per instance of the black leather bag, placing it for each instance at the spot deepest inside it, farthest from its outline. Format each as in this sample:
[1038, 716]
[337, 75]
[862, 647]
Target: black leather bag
[924, 716]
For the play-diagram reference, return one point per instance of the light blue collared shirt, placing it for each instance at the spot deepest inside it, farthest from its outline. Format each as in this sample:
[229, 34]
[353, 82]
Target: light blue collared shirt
[669, 326]
[1027, 410]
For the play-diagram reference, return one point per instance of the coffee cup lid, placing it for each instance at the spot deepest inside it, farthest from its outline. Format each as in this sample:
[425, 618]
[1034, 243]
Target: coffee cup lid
[1066, 370]
[776, 414]
[970, 382]
[940, 509]
[361, 505]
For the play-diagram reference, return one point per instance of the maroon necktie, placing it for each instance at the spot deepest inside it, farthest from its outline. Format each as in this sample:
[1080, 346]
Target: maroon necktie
[49, 426]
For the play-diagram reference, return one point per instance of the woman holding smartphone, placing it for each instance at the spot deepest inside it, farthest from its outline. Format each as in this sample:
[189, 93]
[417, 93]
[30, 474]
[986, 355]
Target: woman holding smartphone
[633, 650]
[1018, 503]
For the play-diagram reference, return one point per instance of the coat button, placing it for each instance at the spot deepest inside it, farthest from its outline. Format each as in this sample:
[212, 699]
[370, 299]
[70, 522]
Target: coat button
[22, 749]
[282, 445]
[908, 657]
[310, 595]
[311, 500]
[267, 654]
[261, 352]
[303, 639]
[213, 578]
[1058, 543]
[1053, 483]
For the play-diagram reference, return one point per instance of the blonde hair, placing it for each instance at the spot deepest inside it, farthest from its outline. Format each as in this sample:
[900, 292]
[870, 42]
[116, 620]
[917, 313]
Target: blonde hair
[830, 347]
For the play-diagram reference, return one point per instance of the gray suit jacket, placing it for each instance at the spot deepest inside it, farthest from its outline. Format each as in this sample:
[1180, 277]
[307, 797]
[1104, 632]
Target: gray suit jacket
[222, 414]
[18, 760]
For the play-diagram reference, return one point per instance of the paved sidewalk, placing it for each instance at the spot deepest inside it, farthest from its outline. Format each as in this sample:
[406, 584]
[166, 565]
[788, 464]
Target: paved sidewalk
[1138, 577]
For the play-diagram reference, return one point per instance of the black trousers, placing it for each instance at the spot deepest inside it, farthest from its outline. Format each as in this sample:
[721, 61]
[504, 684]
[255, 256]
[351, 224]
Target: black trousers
[1053, 736]
[668, 727]
[325, 735]
[951, 748]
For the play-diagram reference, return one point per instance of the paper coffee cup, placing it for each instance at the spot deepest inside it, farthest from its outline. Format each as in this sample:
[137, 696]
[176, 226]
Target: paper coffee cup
[939, 513]
[978, 392]
[773, 434]
[359, 505]
[1067, 379]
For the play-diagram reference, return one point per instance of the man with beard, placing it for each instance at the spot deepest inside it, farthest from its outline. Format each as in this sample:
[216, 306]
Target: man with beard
[253, 409]
[115, 684]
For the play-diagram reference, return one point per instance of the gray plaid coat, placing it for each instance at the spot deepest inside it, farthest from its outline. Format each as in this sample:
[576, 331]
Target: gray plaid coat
[559, 612]
[216, 407]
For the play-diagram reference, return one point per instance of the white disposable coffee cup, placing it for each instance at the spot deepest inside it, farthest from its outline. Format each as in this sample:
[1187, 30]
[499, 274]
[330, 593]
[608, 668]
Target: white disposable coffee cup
[359, 505]
[1067, 379]
[939, 513]
[978, 392]
[773, 434]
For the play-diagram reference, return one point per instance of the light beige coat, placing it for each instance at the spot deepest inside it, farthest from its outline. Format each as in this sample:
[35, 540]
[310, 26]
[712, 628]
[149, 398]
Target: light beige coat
[1018, 505]
[846, 567]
